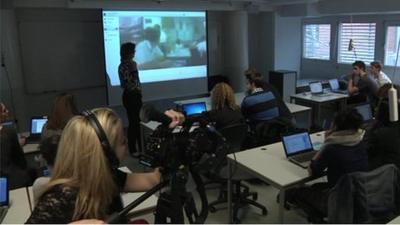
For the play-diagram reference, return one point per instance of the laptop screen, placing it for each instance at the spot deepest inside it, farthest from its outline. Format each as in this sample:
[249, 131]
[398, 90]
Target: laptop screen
[334, 83]
[365, 111]
[316, 87]
[296, 143]
[194, 108]
[3, 191]
[37, 125]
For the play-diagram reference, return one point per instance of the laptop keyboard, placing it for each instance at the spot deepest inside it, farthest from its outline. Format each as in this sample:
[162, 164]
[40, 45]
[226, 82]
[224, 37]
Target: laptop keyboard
[304, 157]
[3, 212]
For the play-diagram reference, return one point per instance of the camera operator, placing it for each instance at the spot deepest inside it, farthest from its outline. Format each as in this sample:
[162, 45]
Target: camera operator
[85, 183]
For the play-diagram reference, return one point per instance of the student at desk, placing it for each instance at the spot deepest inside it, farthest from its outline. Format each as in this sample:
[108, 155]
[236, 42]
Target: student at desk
[12, 159]
[361, 87]
[343, 152]
[85, 183]
[224, 111]
[262, 104]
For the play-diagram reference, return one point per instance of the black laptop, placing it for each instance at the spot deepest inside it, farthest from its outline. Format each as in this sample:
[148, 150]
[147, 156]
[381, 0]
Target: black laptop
[335, 87]
[194, 109]
[298, 148]
[4, 195]
[36, 125]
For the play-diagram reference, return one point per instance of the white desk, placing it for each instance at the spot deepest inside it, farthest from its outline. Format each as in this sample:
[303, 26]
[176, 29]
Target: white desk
[270, 164]
[18, 211]
[395, 220]
[316, 101]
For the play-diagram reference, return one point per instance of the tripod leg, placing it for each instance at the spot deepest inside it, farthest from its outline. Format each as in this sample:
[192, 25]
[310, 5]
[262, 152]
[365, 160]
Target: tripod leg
[169, 210]
[190, 208]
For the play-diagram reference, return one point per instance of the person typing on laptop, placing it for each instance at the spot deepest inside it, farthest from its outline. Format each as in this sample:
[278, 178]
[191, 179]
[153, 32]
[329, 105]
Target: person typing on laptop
[343, 152]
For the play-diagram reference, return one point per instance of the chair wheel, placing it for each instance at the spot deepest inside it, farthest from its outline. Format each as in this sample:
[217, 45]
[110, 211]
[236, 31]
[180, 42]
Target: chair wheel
[212, 209]
[264, 212]
[254, 196]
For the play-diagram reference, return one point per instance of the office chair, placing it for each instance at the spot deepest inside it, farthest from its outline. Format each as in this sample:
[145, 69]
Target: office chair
[235, 135]
[362, 197]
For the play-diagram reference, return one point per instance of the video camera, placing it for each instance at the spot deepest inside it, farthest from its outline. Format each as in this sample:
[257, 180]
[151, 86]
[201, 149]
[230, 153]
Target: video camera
[196, 145]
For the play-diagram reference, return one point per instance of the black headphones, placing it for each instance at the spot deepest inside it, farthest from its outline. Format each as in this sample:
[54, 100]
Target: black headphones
[108, 151]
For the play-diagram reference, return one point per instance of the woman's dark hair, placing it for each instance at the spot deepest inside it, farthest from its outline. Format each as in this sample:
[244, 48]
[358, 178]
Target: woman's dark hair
[48, 148]
[348, 119]
[127, 50]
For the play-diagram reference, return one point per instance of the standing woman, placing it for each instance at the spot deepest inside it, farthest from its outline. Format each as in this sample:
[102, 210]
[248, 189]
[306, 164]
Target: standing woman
[132, 96]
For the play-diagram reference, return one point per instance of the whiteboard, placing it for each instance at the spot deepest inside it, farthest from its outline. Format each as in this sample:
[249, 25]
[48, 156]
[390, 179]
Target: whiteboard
[62, 55]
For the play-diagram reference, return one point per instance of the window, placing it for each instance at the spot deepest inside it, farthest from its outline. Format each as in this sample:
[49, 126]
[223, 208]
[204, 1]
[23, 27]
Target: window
[316, 41]
[362, 46]
[391, 45]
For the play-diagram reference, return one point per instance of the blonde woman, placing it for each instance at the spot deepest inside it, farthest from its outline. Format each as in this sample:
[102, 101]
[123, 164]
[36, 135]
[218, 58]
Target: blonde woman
[224, 110]
[83, 184]
[64, 109]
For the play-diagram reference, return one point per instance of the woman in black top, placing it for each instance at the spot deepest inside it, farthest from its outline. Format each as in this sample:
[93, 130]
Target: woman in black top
[12, 160]
[224, 110]
[132, 96]
[83, 184]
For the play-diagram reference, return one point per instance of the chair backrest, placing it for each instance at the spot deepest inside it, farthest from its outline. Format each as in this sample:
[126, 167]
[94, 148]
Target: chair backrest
[366, 197]
[235, 135]
[269, 132]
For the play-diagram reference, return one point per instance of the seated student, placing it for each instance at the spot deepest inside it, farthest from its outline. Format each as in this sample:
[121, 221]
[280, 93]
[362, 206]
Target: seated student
[343, 152]
[283, 109]
[261, 104]
[384, 139]
[380, 77]
[83, 184]
[12, 159]
[361, 87]
[48, 150]
[64, 109]
[224, 111]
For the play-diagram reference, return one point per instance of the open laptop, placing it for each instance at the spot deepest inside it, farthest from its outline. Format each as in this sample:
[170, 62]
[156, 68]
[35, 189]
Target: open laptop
[194, 109]
[365, 111]
[4, 195]
[316, 88]
[36, 123]
[335, 87]
[298, 148]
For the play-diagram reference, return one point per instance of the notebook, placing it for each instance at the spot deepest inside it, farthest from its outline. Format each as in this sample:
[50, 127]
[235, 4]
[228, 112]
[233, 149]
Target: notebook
[298, 148]
[36, 124]
[335, 87]
[193, 109]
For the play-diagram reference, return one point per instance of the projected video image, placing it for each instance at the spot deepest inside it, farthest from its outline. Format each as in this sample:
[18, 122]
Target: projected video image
[165, 41]
[170, 45]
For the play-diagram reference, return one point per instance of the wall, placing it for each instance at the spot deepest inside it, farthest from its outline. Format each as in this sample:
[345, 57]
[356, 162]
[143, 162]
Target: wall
[330, 68]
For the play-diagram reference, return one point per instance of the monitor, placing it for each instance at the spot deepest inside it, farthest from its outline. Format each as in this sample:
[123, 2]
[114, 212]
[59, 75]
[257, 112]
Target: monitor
[3, 191]
[334, 84]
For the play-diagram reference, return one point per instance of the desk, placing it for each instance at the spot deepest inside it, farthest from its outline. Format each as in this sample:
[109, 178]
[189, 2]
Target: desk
[317, 101]
[272, 166]
[395, 220]
[302, 114]
[18, 211]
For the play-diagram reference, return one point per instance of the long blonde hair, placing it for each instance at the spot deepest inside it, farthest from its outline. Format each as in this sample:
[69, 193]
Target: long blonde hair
[222, 96]
[64, 108]
[81, 163]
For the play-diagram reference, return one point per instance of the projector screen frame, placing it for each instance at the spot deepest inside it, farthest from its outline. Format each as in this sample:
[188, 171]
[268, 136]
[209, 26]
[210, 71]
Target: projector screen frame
[138, 10]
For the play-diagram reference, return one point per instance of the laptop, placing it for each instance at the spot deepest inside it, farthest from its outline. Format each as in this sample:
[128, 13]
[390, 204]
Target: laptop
[316, 88]
[4, 195]
[335, 87]
[37, 123]
[298, 148]
[194, 109]
[365, 111]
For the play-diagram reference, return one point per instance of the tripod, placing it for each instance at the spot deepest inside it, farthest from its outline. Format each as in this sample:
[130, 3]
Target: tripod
[172, 202]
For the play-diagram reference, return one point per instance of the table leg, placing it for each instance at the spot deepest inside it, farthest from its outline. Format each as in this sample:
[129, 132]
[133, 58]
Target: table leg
[229, 193]
[281, 205]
